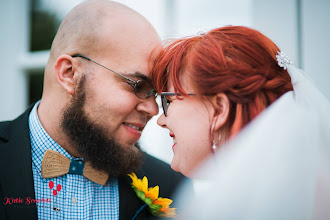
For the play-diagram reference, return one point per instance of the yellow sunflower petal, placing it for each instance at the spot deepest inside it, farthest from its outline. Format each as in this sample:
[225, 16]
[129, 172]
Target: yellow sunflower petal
[140, 184]
[164, 202]
[134, 179]
[153, 193]
[144, 184]
[169, 212]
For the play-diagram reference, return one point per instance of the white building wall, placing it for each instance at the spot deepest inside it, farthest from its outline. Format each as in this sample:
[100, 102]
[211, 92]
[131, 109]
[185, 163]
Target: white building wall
[305, 41]
[13, 43]
[316, 42]
[278, 21]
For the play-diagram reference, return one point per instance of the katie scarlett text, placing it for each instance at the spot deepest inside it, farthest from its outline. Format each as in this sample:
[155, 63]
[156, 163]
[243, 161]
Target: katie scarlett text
[27, 200]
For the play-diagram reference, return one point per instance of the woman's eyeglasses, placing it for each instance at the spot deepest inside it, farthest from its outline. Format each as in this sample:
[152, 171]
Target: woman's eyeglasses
[166, 101]
[143, 89]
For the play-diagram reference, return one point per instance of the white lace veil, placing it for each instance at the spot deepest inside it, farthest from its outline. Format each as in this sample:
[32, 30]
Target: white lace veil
[278, 167]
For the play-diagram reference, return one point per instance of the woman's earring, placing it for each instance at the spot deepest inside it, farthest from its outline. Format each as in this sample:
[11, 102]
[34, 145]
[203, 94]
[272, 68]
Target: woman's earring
[215, 143]
[214, 146]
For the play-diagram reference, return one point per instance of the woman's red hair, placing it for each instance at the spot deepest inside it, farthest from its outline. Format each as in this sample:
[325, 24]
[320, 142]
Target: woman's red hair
[235, 60]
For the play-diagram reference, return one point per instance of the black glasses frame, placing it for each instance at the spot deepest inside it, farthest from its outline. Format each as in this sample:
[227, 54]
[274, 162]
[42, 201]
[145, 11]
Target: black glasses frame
[166, 102]
[133, 83]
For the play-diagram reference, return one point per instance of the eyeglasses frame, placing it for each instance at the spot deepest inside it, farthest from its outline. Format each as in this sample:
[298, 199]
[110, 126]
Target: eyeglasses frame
[133, 82]
[163, 97]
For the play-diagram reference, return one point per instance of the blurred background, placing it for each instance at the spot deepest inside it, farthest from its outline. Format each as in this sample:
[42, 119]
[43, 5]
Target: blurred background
[301, 28]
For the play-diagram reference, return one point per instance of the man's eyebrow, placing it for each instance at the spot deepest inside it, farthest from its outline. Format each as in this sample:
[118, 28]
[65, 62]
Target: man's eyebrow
[138, 75]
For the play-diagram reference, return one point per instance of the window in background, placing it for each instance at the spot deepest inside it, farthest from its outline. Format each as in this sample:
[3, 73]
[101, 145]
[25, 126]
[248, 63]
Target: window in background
[43, 27]
[44, 24]
[35, 85]
[45, 18]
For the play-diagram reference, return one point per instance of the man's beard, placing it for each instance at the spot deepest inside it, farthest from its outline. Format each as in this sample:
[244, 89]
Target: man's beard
[90, 141]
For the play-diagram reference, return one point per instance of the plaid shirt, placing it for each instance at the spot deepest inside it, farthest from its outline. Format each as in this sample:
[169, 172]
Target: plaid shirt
[71, 196]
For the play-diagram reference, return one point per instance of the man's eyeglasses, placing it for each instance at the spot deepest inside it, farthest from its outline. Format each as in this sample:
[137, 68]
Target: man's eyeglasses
[143, 89]
[166, 102]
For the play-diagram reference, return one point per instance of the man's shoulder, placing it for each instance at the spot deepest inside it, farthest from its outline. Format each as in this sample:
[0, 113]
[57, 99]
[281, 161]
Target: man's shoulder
[10, 129]
[5, 127]
[4, 124]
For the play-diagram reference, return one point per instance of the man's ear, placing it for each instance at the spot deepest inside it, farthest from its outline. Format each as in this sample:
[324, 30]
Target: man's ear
[65, 73]
[222, 107]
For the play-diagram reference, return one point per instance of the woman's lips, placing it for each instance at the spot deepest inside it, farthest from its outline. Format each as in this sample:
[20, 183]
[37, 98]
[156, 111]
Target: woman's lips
[173, 146]
[174, 141]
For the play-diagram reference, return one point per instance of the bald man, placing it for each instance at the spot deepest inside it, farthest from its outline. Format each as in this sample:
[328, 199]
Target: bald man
[68, 155]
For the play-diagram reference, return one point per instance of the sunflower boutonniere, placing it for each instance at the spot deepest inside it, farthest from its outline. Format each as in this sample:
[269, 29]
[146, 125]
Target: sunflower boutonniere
[157, 206]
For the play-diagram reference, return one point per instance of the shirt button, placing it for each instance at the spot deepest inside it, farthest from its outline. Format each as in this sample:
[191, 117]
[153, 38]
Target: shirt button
[74, 200]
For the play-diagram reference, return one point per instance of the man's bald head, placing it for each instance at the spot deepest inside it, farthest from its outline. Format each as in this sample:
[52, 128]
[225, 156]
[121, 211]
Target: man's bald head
[81, 29]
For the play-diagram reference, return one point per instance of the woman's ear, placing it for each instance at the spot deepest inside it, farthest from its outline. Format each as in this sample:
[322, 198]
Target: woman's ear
[65, 73]
[222, 106]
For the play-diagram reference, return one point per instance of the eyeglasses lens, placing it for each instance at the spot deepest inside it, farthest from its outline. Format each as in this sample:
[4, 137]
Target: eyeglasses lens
[165, 103]
[143, 89]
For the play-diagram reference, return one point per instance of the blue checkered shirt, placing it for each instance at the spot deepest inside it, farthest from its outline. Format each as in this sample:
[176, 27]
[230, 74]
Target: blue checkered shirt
[76, 197]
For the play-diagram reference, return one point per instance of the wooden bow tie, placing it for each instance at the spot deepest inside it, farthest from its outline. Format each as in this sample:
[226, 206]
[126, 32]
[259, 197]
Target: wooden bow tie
[55, 164]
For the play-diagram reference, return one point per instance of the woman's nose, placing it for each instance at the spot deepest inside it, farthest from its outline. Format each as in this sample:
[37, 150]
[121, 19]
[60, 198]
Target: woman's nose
[162, 121]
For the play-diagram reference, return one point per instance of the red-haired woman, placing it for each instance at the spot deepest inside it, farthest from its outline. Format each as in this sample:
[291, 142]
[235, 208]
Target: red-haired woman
[229, 91]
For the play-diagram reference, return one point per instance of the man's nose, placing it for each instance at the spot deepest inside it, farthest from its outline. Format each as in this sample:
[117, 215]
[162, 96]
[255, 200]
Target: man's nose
[149, 106]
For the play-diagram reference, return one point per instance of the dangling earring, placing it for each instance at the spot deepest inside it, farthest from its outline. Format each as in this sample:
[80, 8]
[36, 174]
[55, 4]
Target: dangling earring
[215, 144]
